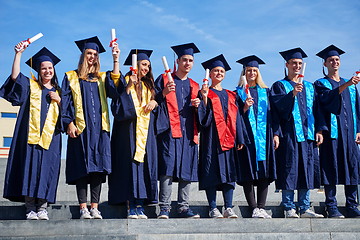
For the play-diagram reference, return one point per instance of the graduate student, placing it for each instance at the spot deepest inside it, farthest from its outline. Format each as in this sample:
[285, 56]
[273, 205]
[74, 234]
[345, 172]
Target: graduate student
[86, 121]
[300, 121]
[177, 132]
[221, 135]
[33, 166]
[256, 161]
[339, 154]
[133, 141]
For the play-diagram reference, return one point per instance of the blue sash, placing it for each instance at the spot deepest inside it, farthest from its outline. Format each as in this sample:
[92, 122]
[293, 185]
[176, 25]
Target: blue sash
[258, 125]
[309, 91]
[333, 120]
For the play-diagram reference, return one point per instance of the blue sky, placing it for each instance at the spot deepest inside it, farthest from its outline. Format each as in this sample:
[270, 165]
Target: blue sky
[233, 28]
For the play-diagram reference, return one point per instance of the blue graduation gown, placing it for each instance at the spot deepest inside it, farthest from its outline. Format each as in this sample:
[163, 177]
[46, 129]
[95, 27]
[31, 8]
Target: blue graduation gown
[178, 157]
[248, 168]
[297, 163]
[339, 158]
[216, 167]
[31, 170]
[130, 179]
[89, 152]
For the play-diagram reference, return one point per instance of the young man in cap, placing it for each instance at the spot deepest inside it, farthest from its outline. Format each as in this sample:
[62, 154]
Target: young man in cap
[297, 156]
[339, 154]
[177, 132]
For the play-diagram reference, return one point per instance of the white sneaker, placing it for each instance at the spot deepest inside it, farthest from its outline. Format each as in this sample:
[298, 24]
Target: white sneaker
[32, 216]
[256, 213]
[229, 213]
[43, 215]
[291, 214]
[264, 214]
[215, 213]
[311, 214]
[95, 213]
[85, 214]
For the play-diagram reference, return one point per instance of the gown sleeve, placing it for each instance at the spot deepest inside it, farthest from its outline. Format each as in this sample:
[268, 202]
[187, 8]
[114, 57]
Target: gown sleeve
[16, 92]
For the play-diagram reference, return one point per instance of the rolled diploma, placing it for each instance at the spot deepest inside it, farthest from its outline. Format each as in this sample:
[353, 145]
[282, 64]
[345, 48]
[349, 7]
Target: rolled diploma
[302, 72]
[31, 40]
[113, 37]
[206, 79]
[246, 86]
[166, 66]
[134, 62]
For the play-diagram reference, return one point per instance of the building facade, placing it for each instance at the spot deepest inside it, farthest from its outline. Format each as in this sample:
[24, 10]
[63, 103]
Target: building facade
[8, 116]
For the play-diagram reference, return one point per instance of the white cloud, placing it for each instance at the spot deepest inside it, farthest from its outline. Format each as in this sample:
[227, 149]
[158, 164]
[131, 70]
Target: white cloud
[183, 25]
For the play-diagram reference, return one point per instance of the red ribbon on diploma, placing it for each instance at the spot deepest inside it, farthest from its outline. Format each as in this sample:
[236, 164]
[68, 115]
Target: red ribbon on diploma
[112, 42]
[134, 70]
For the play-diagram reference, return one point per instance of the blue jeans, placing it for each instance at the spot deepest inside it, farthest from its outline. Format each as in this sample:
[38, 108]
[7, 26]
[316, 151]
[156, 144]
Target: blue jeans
[303, 199]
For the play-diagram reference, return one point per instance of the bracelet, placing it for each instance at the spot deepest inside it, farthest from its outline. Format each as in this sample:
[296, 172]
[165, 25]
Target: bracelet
[116, 61]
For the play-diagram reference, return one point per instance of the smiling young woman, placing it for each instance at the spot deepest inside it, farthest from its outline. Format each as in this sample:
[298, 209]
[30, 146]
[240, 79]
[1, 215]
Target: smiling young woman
[33, 167]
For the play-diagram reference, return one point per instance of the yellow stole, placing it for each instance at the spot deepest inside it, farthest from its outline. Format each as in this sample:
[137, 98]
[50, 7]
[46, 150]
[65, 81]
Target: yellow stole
[44, 138]
[78, 104]
[142, 119]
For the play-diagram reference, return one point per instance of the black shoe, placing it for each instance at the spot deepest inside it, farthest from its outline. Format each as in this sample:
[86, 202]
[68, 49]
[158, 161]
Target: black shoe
[333, 212]
[353, 212]
[188, 213]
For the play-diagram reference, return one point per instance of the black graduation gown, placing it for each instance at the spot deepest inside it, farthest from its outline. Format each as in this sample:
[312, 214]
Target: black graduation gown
[178, 157]
[216, 167]
[131, 179]
[339, 158]
[31, 170]
[297, 163]
[90, 151]
[248, 168]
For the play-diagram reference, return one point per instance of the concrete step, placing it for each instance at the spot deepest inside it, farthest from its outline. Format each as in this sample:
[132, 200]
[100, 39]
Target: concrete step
[70, 210]
[193, 229]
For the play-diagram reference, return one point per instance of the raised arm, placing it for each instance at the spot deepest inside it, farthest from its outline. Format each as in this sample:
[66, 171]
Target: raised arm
[17, 58]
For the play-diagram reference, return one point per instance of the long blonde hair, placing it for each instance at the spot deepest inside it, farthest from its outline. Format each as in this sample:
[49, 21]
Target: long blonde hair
[259, 81]
[84, 69]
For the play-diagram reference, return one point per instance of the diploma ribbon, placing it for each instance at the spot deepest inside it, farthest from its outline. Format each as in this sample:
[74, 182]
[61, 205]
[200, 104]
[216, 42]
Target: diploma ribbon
[112, 42]
[134, 70]
[301, 76]
[167, 71]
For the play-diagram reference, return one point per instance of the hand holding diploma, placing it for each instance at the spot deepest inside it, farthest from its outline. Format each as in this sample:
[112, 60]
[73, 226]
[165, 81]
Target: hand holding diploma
[26, 43]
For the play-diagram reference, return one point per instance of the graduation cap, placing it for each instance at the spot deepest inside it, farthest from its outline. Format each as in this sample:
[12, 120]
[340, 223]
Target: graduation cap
[218, 61]
[293, 53]
[330, 51]
[250, 61]
[142, 54]
[41, 56]
[185, 49]
[90, 43]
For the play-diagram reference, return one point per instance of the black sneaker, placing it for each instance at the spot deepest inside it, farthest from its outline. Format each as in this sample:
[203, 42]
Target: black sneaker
[188, 213]
[164, 213]
[353, 212]
[333, 212]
